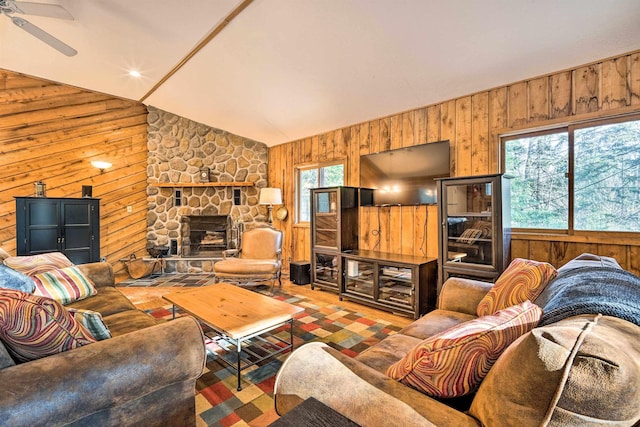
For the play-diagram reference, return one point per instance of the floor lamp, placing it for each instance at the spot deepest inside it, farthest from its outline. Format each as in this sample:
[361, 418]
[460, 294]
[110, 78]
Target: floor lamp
[270, 196]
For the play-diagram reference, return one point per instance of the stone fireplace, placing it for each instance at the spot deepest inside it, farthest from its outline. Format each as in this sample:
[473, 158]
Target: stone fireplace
[178, 150]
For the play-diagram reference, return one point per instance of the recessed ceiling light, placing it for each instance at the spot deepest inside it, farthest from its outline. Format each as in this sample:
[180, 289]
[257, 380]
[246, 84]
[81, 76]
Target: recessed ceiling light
[134, 73]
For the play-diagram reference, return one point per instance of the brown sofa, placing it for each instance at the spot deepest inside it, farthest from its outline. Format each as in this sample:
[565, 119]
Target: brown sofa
[144, 375]
[575, 368]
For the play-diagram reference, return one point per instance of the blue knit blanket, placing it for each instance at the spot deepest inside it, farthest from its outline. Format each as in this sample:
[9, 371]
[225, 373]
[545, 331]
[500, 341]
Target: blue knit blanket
[588, 290]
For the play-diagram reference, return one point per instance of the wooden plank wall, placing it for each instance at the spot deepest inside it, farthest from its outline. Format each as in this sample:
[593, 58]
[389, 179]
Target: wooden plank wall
[51, 132]
[473, 124]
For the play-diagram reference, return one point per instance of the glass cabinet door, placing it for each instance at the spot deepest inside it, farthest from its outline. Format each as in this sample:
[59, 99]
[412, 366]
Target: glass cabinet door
[395, 284]
[469, 223]
[359, 277]
[327, 269]
[326, 219]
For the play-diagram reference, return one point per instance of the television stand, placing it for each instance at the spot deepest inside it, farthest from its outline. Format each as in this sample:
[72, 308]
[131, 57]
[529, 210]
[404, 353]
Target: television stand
[402, 284]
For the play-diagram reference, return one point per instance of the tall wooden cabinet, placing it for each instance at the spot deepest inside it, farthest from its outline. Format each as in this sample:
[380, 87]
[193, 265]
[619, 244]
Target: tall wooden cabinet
[474, 233]
[334, 229]
[67, 225]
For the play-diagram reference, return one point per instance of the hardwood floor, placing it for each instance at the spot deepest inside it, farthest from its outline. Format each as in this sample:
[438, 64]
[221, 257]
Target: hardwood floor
[148, 298]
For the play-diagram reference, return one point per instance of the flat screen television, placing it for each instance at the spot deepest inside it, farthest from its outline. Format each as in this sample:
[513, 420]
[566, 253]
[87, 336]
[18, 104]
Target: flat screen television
[405, 176]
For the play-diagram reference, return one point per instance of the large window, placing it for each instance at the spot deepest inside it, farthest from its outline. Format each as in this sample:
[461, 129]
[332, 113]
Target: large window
[584, 177]
[328, 175]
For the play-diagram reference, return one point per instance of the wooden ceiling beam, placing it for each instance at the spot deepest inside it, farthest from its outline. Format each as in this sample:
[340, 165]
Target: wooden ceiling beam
[221, 26]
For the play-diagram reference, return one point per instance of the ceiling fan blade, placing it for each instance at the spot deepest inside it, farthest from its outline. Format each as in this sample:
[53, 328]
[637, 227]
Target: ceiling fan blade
[44, 36]
[39, 9]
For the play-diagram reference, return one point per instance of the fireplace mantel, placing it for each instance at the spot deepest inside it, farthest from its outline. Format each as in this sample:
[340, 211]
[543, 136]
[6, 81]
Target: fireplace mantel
[202, 184]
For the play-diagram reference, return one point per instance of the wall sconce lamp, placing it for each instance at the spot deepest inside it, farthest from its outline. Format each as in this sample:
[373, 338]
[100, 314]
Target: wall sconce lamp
[100, 165]
[270, 196]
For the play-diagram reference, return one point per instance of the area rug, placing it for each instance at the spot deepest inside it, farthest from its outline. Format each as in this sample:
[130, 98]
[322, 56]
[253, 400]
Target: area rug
[171, 280]
[218, 403]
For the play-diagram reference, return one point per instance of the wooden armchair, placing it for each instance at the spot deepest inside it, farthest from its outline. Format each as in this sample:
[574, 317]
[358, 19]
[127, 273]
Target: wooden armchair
[259, 258]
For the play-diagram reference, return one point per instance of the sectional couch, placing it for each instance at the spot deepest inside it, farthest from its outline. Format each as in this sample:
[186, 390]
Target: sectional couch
[143, 375]
[579, 366]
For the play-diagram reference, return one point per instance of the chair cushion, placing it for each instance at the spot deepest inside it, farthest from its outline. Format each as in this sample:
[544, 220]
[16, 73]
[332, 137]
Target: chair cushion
[107, 301]
[435, 322]
[64, 285]
[35, 264]
[244, 266]
[454, 362]
[33, 326]
[12, 279]
[129, 321]
[388, 351]
[523, 280]
[579, 371]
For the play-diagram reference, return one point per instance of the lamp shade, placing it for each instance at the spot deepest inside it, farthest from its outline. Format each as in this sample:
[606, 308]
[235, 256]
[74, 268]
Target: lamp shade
[270, 196]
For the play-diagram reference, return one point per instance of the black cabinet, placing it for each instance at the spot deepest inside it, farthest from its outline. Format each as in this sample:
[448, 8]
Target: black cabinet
[475, 232]
[67, 225]
[334, 228]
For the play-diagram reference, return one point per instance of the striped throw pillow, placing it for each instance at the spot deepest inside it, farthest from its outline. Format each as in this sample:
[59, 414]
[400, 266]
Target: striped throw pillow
[32, 326]
[34, 264]
[64, 285]
[92, 321]
[454, 362]
[523, 280]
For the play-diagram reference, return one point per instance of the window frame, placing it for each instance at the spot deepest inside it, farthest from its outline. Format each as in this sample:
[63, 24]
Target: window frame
[570, 129]
[309, 166]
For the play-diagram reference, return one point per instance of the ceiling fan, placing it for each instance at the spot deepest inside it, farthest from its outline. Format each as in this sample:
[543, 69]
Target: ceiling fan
[9, 7]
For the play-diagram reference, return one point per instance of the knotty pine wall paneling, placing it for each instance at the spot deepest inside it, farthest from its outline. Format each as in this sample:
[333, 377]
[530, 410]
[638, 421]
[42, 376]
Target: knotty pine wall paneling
[52, 132]
[472, 124]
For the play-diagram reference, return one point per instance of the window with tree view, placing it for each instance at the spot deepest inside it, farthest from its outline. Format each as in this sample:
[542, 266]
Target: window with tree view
[314, 177]
[595, 168]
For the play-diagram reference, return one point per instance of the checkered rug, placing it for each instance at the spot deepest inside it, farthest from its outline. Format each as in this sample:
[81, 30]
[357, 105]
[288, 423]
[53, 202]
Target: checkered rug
[218, 403]
[171, 280]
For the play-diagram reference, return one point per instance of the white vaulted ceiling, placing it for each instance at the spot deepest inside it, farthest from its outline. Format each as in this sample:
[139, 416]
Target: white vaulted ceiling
[286, 69]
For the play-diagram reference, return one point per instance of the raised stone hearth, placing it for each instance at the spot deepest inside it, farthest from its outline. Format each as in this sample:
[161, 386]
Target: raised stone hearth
[178, 149]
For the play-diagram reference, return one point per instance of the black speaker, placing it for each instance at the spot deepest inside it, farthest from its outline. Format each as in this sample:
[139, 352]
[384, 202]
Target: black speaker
[366, 197]
[300, 272]
[237, 198]
[173, 247]
[87, 191]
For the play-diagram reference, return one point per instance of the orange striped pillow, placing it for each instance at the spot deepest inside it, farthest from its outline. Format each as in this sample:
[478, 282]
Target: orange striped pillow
[523, 280]
[35, 264]
[64, 285]
[454, 362]
[32, 326]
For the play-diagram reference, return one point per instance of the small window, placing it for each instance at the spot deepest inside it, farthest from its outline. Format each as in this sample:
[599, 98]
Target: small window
[539, 165]
[329, 175]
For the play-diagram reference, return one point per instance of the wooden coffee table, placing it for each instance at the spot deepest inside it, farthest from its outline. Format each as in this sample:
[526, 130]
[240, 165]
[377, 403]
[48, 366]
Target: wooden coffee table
[237, 315]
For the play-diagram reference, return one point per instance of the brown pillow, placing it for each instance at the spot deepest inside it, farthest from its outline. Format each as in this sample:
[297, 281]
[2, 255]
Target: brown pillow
[578, 371]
